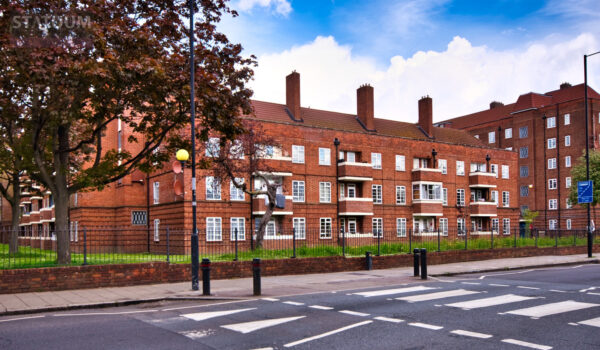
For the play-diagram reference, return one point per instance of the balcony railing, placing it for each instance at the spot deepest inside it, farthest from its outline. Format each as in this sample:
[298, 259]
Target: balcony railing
[356, 206]
[354, 171]
[482, 180]
[259, 206]
[427, 174]
[483, 208]
[427, 207]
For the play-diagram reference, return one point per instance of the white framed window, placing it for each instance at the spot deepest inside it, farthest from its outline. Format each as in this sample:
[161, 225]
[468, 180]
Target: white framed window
[506, 226]
[523, 152]
[213, 229]
[460, 168]
[237, 225]
[236, 194]
[491, 137]
[475, 167]
[567, 162]
[377, 225]
[567, 119]
[156, 230]
[460, 226]
[568, 182]
[270, 229]
[550, 122]
[325, 192]
[351, 191]
[427, 191]
[505, 199]
[568, 224]
[325, 228]
[444, 226]
[568, 204]
[552, 143]
[505, 171]
[551, 163]
[443, 164]
[401, 227]
[444, 196]
[495, 225]
[460, 197]
[74, 231]
[494, 198]
[376, 160]
[377, 195]
[298, 191]
[400, 162]
[552, 184]
[567, 140]
[156, 192]
[400, 195]
[523, 132]
[494, 169]
[212, 147]
[552, 204]
[342, 191]
[351, 157]
[508, 133]
[297, 154]
[299, 225]
[213, 188]
[552, 223]
[352, 225]
[324, 156]
[420, 163]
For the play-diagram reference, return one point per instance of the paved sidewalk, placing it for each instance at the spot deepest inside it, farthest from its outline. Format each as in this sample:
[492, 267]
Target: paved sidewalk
[271, 286]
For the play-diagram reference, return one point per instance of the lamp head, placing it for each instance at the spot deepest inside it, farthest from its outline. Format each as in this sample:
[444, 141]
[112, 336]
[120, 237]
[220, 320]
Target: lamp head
[182, 155]
[336, 142]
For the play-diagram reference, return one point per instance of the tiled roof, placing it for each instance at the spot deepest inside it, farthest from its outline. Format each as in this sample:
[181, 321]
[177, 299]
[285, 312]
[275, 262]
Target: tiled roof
[275, 112]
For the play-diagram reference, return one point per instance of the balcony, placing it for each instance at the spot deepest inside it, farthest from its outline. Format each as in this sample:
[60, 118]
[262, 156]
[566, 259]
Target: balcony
[278, 165]
[482, 180]
[47, 214]
[483, 209]
[353, 171]
[422, 207]
[259, 206]
[427, 174]
[356, 206]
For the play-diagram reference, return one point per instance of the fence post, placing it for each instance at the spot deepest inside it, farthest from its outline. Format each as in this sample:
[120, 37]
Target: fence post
[294, 242]
[515, 237]
[343, 242]
[537, 233]
[409, 240]
[84, 246]
[235, 231]
[379, 242]
[168, 239]
[556, 238]
[492, 240]
[466, 239]
[438, 239]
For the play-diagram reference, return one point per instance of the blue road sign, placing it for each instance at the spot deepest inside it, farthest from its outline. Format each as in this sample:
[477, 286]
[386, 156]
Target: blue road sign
[585, 191]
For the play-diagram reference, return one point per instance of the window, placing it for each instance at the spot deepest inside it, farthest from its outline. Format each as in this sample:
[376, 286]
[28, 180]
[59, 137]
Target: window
[444, 226]
[298, 191]
[325, 192]
[523, 152]
[376, 160]
[508, 133]
[505, 199]
[552, 204]
[212, 147]
[552, 184]
[401, 227]
[460, 167]
[567, 162]
[297, 154]
[73, 232]
[400, 163]
[443, 164]
[567, 119]
[460, 197]
[551, 163]
[351, 157]
[75, 200]
[156, 192]
[236, 194]
[550, 122]
[495, 225]
[475, 167]
[505, 171]
[523, 132]
[524, 191]
[236, 150]
[494, 169]
[138, 217]
[400, 195]
[420, 163]
[568, 224]
[213, 229]
[568, 182]
[377, 224]
[506, 226]
[213, 188]
[494, 197]
[270, 229]
[156, 230]
[325, 231]
[552, 224]
[444, 196]
[238, 225]
[377, 194]
[460, 226]
[568, 204]
[523, 171]
[427, 191]
[299, 225]
[552, 143]
[324, 156]
[491, 136]
[567, 140]
[352, 226]
[351, 191]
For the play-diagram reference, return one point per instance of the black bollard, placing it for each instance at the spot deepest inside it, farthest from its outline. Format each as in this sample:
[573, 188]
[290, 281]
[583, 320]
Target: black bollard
[256, 274]
[205, 266]
[416, 261]
[369, 261]
[423, 263]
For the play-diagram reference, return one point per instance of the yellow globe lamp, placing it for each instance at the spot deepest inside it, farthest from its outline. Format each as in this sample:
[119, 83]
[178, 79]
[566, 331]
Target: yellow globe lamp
[182, 155]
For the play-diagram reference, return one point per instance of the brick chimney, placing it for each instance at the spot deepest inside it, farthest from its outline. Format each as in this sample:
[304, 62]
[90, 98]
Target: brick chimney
[426, 115]
[292, 94]
[565, 85]
[365, 107]
[496, 104]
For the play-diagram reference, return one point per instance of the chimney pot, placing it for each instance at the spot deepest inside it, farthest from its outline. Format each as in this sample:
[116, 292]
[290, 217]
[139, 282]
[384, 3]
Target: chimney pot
[496, 104]
[426, 115]
[365, 107]
[292, 94]
[565, 85]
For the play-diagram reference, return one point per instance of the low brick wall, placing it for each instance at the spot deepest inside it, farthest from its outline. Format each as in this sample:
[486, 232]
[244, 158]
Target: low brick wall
[95, 276]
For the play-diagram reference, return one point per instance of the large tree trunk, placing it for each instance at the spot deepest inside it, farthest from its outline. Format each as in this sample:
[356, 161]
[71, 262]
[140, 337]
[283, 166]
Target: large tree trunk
[61, 194]
[264, 221]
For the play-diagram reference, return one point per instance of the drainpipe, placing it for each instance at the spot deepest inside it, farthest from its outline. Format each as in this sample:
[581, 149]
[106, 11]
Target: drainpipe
[148, 212]
[545, 144]
[558, 162]
[336, 143]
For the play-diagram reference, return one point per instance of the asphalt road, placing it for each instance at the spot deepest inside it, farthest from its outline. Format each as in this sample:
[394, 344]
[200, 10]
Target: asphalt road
[556, 308]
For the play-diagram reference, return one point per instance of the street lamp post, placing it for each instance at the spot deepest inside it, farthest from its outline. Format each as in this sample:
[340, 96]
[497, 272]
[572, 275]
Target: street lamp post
[194, 239]
[587, 150]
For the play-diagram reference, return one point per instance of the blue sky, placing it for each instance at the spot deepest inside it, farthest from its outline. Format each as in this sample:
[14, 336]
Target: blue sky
[462, 53]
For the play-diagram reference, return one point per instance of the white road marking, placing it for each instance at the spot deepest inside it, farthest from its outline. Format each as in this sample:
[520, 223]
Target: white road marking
[590, 293]
[593, 322]
[506, 273]
[270, 299]
[471, 334]
[558, 291]
[438, 295]
[476, 283]
[498, 285]
[326, 334]
[525, 287]
[295, 303]
[425, 325]
[552, 309]
[197, 334]
[573, 324]
[526, 344]
[105, 313]
[269, 348]
[376, 293]
[201, 316]
[207, 305]
[252, 326]
[588, 289]
[22, 318]
[388, 319]
[354, 313]
[319, 307]
[493, 301]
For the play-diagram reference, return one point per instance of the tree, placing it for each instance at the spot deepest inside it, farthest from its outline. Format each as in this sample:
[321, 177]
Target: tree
[578, 173]
[529, 216]
[246, 158]
[124, 61]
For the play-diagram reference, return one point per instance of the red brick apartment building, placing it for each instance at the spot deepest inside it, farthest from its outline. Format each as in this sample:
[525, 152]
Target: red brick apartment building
[548, 133]
[391, 177]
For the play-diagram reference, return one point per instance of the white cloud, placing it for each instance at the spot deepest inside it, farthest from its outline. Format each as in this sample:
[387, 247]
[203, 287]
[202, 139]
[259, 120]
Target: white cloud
[283, 7]
[462, 79]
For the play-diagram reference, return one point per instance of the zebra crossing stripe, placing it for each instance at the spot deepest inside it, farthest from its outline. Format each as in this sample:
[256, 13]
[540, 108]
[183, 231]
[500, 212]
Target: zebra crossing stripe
[252, 326]
[526, 344]
[375, 293]
[552, 309]
[438, 295]
[595, 322]
[471, 334]
[201, 316]
[493, 301]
